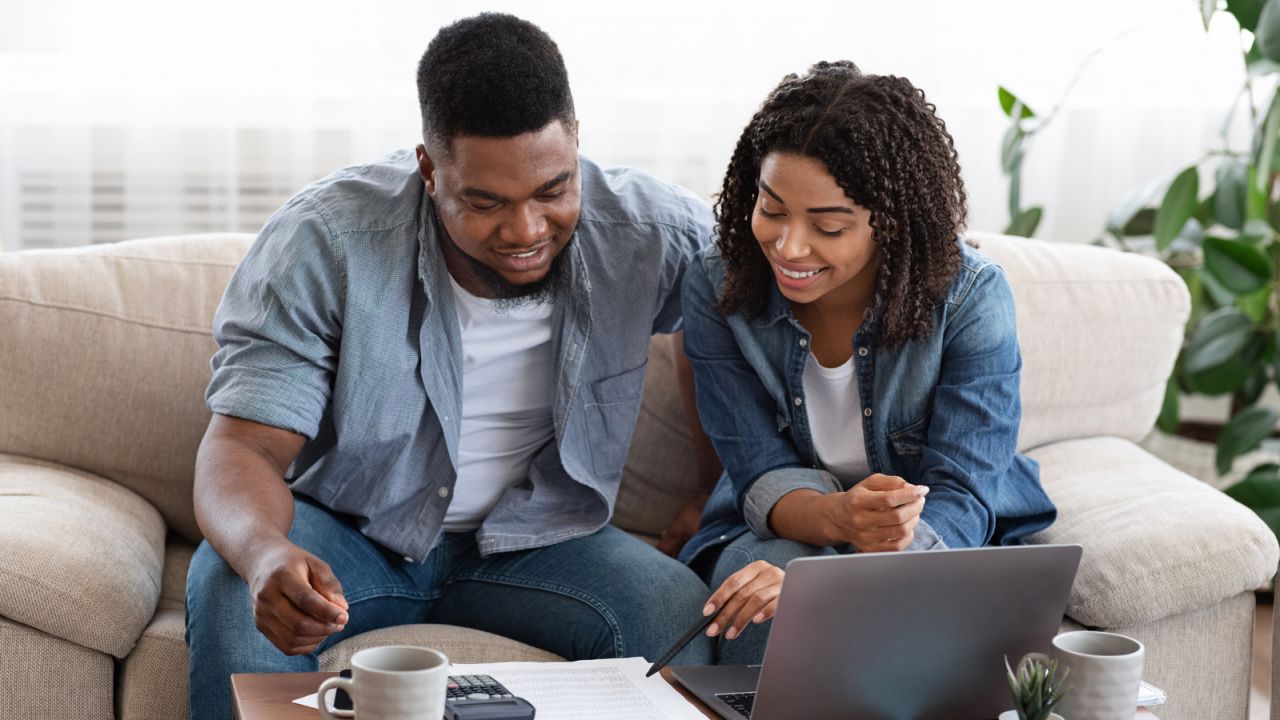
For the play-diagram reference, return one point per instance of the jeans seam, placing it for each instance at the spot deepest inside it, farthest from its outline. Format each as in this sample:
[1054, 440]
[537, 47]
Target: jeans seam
[587, 599]
[386, 591]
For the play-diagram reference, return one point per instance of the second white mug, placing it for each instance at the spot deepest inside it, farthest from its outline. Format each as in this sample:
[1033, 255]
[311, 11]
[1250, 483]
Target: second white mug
[1105, 676]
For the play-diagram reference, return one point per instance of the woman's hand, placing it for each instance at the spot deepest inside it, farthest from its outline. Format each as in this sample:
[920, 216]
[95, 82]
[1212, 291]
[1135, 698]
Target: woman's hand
[747, 596]
[879, 514]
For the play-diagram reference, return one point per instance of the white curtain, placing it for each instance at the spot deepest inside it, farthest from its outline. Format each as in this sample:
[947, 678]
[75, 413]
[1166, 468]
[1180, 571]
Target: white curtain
[146, 117]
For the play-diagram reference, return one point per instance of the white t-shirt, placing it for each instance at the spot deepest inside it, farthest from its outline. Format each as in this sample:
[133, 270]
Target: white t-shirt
[506, 401]
[835, 419]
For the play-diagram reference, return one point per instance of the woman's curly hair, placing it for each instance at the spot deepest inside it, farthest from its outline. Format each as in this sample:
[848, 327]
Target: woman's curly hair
[890, 153]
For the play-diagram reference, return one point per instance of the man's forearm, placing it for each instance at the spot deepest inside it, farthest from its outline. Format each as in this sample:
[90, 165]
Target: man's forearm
[242, 503]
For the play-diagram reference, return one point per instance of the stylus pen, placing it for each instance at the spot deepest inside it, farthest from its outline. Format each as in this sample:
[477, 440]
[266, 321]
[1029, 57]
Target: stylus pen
[684, 640]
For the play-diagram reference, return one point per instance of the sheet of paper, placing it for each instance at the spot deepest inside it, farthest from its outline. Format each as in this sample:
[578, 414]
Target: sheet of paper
[583, 690]
[1149, 695]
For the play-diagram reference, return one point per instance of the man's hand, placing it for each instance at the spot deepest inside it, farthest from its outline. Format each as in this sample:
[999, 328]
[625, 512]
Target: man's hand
[297, 600]
[879, 514]
[747, 596]
[682, 527]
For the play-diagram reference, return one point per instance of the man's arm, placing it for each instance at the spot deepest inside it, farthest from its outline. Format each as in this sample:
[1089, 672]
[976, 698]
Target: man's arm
[245, 509]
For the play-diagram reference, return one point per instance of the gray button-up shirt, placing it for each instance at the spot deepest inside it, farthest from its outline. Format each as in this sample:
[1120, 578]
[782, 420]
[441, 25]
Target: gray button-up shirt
[339, 325]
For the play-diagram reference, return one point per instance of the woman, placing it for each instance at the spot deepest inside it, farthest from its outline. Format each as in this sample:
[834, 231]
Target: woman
[856, 362]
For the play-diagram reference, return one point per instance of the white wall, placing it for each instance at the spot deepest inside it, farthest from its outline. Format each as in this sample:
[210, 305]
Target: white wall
[161, 91]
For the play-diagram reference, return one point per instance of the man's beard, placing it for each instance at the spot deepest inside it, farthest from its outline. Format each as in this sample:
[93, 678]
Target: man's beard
[508, 295]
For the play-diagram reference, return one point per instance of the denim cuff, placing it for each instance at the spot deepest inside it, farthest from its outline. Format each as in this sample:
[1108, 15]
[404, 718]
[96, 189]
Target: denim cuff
[926, 538]
[771, 486]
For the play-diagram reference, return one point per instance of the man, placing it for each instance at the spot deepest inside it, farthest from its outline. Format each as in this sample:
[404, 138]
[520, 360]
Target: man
[443, 351]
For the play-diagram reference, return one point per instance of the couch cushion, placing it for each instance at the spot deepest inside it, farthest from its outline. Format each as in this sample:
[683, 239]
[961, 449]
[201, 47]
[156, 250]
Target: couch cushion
[1099, 331]
[110, 372]
[660, 474]
[80, 556]
[152, 681]
[1157, 542]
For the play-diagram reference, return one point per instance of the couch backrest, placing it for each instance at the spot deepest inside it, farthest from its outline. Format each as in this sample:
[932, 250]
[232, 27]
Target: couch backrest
[104, 358]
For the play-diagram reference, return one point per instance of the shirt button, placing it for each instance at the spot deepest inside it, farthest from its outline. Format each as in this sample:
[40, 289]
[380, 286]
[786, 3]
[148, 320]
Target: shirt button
[444, 491]
[799, 402]
[867, 412]
[408, 559]
[862, 352]
[724, 537]
[804, 342]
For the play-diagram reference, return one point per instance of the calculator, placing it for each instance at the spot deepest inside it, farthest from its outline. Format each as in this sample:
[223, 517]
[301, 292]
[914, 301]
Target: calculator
[468, 697]
[480, 697]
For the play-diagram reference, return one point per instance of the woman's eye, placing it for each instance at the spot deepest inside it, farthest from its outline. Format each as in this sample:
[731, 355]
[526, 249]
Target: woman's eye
[829, 233]
[766, 213]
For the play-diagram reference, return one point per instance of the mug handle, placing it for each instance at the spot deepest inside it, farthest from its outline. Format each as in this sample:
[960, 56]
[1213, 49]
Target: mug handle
[332, 684]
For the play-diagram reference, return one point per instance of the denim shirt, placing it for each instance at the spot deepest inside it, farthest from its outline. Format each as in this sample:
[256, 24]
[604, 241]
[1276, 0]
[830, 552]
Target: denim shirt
[339, 325]
[943, 411]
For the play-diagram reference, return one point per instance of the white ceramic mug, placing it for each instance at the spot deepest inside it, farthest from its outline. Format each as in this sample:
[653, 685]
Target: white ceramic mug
[395, 682]
[1106, 674]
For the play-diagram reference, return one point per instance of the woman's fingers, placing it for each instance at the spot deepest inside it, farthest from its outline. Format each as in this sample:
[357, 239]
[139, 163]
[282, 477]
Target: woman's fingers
[729, 599]
[763, 592]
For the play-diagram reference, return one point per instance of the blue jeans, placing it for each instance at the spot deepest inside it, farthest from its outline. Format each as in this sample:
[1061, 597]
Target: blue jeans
[748, 647]
[599, 596]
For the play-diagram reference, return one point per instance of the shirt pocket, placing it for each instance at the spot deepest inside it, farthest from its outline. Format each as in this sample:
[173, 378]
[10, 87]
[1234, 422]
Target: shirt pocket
[906, 446]
[611, 420]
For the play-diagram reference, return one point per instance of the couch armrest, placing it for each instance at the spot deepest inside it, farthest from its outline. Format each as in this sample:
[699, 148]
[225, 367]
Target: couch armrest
[1157, 542]
[80, 556]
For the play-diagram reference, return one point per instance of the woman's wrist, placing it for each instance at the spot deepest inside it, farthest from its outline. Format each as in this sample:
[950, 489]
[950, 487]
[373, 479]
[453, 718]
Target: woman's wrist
[800, 515]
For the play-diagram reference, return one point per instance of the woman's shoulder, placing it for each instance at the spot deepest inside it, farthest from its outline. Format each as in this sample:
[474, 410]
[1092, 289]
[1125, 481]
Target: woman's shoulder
[978, 277]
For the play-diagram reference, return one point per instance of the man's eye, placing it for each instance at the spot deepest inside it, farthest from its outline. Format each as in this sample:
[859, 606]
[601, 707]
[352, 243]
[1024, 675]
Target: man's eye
[546, 197]
[482, 208]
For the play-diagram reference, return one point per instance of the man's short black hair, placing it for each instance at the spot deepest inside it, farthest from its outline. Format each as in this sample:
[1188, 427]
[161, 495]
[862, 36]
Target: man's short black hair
[492, 75]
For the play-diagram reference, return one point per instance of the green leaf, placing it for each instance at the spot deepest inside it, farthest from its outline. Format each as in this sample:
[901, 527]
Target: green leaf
[1267, 31]
[1225, 378]
[1265, 140]
[1254, 383]
[1008, 100]
[1134, 202]
[1217, 293]
[1246, 12]
[1011, 148]
[1256, 232]
[1221, 336]
[1177, 207]
[1239, 266]
[1168, 420]
[1142, 223]
[1025, 224]
[1206, 11]
[1259, 489]
[1255, 304]
[1255, 198]
[1243, 433]
[1228, 197]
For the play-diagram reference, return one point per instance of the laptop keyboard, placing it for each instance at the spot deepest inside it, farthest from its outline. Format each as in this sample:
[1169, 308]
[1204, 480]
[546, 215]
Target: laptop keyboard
[741, 702]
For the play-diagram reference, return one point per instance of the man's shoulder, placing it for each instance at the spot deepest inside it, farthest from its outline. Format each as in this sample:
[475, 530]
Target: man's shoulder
[626, 196]
[379, 195]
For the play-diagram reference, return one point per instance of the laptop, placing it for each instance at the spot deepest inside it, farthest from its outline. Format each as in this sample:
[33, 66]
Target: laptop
[897, 636]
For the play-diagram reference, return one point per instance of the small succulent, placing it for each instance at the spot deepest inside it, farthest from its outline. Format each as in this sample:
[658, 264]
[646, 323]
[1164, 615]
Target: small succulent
[1037, 687]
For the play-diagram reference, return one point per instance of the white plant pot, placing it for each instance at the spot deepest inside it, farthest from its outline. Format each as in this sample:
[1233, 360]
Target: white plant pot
[1013, 715]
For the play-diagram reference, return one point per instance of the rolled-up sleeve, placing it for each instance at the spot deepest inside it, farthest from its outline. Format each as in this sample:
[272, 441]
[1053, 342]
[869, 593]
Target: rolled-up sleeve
[279, 325]
[769, 488]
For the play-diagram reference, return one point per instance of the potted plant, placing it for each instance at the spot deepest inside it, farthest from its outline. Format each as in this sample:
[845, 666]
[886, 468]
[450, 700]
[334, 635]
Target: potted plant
[1037, 688]
[1216, 226]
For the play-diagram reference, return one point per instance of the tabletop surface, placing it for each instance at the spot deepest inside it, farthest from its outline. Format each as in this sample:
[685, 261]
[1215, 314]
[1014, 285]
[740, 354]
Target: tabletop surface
[270, 696]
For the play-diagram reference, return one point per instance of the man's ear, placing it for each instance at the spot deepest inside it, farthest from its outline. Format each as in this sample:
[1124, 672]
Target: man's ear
[427, 169]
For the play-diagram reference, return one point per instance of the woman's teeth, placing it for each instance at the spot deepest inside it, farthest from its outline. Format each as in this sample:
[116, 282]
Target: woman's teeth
[531, 253]
[799, 275]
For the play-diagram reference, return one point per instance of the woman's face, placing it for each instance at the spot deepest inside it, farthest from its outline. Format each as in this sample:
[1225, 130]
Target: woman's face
[816, 239]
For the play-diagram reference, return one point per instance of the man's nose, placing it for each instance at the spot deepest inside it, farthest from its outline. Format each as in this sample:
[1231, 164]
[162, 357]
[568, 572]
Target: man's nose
[527, 225]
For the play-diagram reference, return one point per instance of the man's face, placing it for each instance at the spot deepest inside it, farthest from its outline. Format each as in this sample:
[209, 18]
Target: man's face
[508, 205]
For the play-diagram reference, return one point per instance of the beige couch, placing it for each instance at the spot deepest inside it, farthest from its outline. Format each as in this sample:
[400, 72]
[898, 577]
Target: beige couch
[104, 357]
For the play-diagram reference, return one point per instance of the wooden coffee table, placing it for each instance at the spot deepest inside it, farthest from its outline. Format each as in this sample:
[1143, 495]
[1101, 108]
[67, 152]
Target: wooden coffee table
[270, 696]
